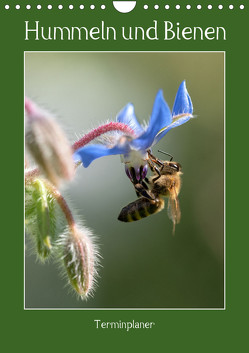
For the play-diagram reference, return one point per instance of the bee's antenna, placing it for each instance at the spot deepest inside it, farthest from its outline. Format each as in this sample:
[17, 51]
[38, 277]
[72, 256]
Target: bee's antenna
[171, 157]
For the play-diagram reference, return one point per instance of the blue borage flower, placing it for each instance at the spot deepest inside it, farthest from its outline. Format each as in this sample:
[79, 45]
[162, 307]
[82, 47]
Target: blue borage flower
[133, 150]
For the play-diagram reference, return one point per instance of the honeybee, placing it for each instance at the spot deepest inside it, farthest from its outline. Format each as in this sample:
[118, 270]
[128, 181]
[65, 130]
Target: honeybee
[165, 182]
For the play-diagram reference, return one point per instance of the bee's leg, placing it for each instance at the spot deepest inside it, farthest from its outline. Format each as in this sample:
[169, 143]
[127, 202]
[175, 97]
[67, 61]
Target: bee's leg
[154, 168]
[150, 165]
[154, 159]
[158, 174]
[141, 191]
[145, 185]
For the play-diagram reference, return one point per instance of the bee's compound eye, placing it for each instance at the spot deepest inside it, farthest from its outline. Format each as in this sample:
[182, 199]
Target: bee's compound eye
[176, 166]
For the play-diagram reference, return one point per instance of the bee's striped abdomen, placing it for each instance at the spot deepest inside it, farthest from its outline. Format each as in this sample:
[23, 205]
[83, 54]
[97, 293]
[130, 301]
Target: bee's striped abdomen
[139, 209]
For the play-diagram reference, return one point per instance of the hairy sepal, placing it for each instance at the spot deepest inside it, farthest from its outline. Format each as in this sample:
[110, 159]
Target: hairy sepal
[80, 258]
[40, 218]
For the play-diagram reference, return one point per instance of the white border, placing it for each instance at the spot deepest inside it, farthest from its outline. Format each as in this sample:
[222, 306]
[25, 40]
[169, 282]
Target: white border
[224, 236]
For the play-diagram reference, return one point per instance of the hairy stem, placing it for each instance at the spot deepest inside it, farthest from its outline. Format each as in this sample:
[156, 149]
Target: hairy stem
[93, 134]
[63, 205]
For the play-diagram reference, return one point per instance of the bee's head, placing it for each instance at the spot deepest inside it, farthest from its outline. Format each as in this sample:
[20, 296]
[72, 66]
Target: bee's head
[171, 168]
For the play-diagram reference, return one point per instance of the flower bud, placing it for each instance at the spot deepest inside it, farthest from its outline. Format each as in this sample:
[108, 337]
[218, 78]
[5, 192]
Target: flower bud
[80, 259]
[48, 145]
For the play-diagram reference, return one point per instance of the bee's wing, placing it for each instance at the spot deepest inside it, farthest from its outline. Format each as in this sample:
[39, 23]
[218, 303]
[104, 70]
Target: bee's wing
[174, 211]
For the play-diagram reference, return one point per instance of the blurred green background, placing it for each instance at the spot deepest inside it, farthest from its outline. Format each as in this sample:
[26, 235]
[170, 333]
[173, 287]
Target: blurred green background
[144, 266]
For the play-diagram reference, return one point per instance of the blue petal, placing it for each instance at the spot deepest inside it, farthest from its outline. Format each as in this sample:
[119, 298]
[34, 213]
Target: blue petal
[127, 116]
[183, 102]
[160, 117]
[177, 122]
[89, 153]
